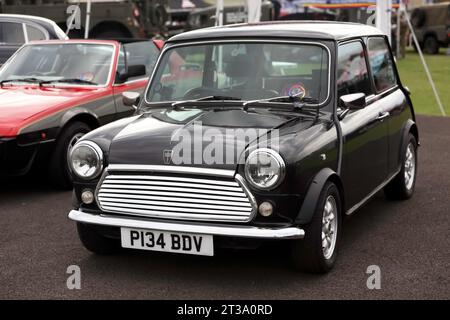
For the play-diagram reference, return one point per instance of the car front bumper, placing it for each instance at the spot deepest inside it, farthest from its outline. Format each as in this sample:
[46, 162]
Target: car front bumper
[238, 231]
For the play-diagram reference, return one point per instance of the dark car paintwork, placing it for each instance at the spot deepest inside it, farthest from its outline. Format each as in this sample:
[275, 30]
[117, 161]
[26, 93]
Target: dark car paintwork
[359, 153]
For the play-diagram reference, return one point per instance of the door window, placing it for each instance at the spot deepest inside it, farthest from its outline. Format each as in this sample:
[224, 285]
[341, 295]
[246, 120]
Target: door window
[34, 34]
[138, 53]
[352, 76]
[11, 33]
[381, 64]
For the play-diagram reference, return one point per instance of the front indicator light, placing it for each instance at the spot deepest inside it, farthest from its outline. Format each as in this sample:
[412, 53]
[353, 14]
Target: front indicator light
[87, 196]
[265, 209]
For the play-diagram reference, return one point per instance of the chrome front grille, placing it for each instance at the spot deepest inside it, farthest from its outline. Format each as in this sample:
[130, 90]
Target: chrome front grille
[209, 198]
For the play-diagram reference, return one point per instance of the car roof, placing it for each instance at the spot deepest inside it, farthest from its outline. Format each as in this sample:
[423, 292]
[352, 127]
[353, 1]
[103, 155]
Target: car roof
[325, 30]
[23, 17]
[92, 41]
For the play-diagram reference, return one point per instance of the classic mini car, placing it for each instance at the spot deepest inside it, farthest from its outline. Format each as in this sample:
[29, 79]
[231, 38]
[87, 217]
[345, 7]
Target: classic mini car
[273, 131]
[53, 92]
[15, 30]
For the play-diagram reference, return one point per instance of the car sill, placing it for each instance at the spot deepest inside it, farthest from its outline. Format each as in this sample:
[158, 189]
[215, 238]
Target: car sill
[370, 195]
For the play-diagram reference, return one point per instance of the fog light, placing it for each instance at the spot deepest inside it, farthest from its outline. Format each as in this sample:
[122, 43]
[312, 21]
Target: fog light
[265, 209]
[87, 197]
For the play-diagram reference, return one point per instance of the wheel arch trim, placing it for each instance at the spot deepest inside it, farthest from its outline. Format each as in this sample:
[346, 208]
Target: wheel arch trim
[311, 198]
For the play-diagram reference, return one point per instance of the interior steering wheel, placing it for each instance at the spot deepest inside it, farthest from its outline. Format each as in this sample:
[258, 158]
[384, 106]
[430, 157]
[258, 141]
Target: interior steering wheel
[199, 92]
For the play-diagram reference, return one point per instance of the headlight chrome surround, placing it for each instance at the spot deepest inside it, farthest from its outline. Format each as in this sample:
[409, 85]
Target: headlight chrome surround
[278, 160]
[96, 151]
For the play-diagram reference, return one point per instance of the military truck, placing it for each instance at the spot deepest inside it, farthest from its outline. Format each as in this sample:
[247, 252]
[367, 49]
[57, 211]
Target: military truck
[206, 17]
[195, 14]
[432, 26]
[109, 19]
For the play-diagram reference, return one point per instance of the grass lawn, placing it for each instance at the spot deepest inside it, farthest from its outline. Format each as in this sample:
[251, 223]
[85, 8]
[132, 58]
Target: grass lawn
[413, 76]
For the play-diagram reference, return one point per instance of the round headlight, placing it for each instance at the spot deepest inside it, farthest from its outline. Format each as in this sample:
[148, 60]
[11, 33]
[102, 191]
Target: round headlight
[86, 160]
[264, 169]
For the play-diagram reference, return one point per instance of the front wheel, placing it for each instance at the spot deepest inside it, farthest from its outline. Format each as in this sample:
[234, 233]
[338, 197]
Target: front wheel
[403, 185]
[317, 252]
[95, 242]
[431, 45]
[59, 169]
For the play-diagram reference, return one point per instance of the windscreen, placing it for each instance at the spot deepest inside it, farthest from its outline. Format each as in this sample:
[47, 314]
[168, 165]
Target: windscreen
[242, 70]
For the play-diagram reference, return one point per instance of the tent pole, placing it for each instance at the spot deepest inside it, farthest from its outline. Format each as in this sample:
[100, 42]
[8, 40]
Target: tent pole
[88, 19]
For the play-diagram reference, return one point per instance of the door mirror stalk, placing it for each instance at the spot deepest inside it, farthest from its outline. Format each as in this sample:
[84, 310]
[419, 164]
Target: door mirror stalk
[349, 102]
[131, 99]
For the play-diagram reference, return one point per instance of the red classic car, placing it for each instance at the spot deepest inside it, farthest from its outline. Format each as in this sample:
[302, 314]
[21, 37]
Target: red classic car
[54, 92]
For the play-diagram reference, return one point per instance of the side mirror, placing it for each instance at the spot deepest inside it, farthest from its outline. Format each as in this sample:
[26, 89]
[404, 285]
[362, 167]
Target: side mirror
[348, 102]
[133, 71]
[131, 99]
[354, 101]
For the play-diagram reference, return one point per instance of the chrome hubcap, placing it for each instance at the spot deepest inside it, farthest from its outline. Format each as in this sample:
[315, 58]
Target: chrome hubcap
[329, 227]
[73, 141]
[410, 166]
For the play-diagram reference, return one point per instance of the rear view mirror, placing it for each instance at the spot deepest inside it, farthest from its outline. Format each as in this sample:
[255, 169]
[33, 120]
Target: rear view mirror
[136, 70]
[131, 99]
[354, 101]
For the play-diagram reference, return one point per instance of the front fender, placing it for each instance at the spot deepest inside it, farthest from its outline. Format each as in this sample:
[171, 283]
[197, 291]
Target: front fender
[312, 196]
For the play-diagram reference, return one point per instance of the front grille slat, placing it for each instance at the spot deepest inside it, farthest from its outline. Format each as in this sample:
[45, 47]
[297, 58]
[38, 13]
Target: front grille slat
[171, 184]
[178, 194]
[173, 189]
[176, 205]
[173, 197]
[173, 215]
[169, 178]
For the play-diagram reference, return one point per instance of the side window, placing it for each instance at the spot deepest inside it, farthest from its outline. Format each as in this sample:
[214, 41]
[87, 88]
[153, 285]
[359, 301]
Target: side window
[34, 34]
[352, 76]
[381, 64]
[138, 53]
[11, 33]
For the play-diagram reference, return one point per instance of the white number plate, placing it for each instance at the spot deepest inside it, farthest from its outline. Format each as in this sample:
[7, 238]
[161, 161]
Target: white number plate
[187, 243]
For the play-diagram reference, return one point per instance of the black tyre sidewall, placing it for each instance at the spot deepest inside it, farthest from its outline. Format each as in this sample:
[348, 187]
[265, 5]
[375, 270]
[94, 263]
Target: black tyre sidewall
[431, 45]
[307, 253]
[59, 168]
[95, 242]
[409, 193]
[396, 189]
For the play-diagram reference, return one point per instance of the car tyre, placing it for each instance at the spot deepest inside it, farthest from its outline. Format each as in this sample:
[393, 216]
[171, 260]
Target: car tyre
[403, 185]
[317, 251]
[59, 169]
[431, 45]
[95, 242]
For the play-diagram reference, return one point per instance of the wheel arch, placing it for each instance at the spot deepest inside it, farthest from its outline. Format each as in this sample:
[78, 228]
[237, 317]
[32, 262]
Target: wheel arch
[311, 198]
[82, 116]
[110, 25]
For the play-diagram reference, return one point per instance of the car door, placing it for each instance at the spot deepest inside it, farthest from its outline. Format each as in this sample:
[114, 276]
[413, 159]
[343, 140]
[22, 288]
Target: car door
[131, 54]
[390, 97]
[365, 144]
[12, 37]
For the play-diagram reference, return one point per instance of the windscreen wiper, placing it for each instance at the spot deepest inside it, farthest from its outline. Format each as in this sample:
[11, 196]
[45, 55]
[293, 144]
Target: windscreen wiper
[27, 80]
[294, 102]
[177, 104]
[71, 80]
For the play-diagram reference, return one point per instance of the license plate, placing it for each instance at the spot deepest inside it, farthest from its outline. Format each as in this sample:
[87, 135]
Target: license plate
[187, 243]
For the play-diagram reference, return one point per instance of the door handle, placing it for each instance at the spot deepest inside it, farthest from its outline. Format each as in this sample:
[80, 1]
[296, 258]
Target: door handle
[383, 115]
